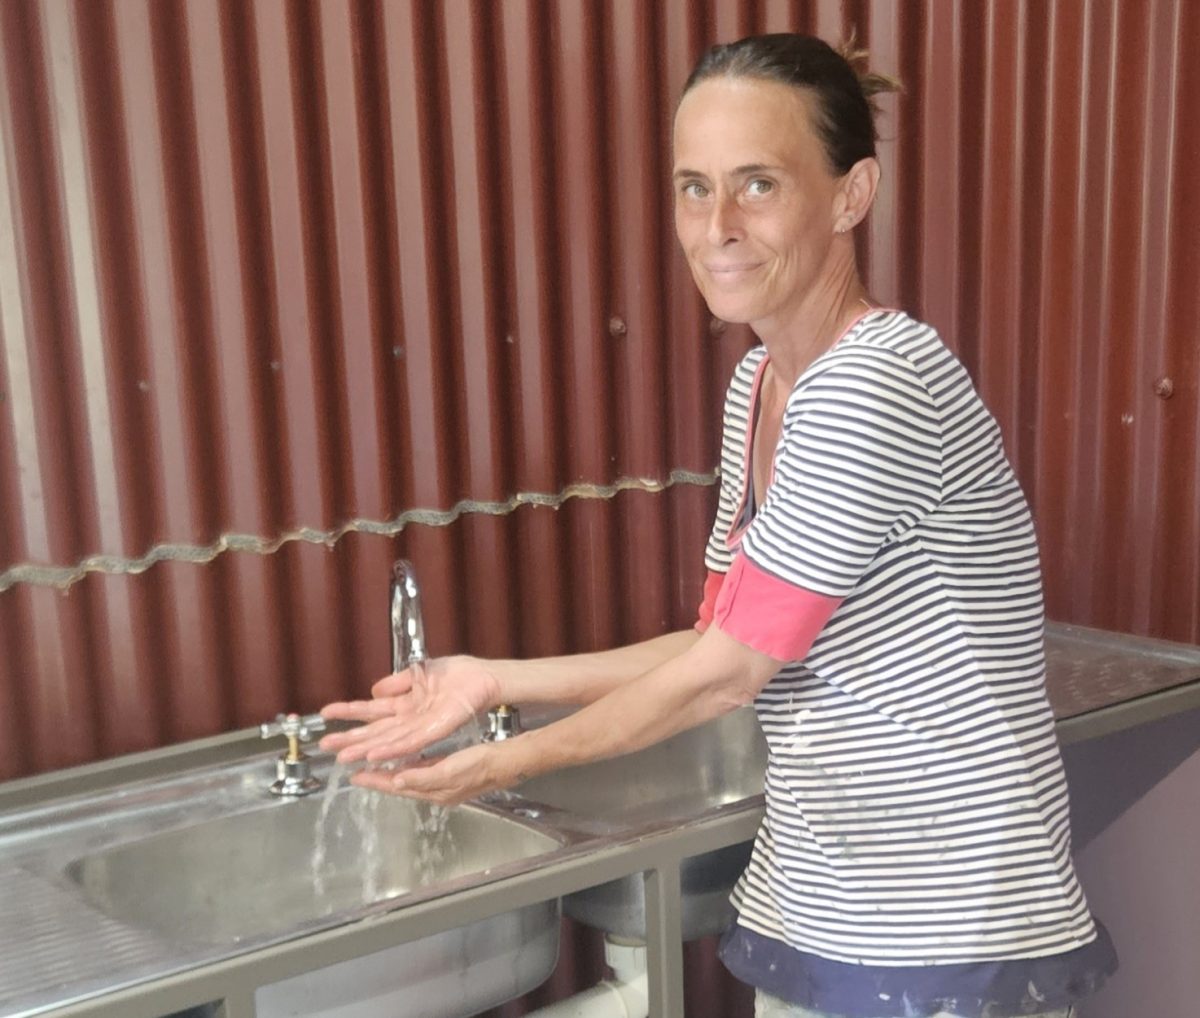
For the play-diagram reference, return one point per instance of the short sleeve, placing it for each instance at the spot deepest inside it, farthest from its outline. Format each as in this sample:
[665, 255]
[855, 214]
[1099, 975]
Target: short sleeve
[857, 466]
[713, 583]
[769, 614]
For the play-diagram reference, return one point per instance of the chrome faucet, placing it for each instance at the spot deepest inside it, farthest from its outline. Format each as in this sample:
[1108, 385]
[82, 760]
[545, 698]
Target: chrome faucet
[504, 721]
[293, 776]
[408, 645]
[408, 631]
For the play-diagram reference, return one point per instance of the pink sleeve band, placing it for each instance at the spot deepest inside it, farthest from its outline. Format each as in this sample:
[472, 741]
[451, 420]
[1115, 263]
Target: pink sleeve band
[712, 587]
[771, 615]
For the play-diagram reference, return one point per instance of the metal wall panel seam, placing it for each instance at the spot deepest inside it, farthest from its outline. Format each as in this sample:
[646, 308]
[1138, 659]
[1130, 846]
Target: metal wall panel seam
[584, 200]
[1181, 453]
[1060, 309]
[55, 701]
[1157, 142]
[355, 325]
[883, 40]
[478, 178]
[638, 173]
[355, 322]
[295, 192]
[63, 78]
[63, 577]
[189, 605]
[529, 234]
[28, 518]
[243, 482]
[17, 340]
[415, 257]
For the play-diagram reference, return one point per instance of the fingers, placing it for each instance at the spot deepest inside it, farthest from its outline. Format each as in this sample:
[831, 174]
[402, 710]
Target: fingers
[393, 685]
[358, 710]
[389, 739]
[413, 783]
[399, 737]
[336, 740]
[377, 781]
[392, 736]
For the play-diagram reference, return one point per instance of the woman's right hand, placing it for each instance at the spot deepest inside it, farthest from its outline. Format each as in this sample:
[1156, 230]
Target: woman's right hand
[412, 709]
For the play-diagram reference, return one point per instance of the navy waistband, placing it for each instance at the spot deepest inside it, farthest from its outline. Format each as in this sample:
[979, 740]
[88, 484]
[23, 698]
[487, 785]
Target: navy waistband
[997, 989]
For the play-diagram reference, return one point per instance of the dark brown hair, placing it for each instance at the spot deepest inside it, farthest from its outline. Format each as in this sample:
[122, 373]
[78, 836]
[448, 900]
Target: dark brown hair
[845, 117]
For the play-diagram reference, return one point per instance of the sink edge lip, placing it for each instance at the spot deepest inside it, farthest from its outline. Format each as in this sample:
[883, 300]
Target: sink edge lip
[577, 836]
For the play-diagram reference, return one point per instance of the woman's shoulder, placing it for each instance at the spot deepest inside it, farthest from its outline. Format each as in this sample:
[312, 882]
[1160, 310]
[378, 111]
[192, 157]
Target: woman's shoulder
[889, 329]
[890, 340]
[742, 380]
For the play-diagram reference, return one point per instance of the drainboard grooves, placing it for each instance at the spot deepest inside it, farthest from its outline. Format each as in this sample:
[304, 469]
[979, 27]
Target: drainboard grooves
[53, 941]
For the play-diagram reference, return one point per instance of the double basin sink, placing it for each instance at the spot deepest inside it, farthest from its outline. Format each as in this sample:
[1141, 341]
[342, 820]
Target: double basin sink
[168, 874]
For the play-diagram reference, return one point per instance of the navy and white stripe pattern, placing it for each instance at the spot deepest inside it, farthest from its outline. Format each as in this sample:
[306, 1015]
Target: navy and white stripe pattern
[916, 804]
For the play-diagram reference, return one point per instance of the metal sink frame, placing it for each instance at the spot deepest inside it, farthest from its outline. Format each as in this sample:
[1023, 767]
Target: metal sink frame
[1144, 680]
[77, 842]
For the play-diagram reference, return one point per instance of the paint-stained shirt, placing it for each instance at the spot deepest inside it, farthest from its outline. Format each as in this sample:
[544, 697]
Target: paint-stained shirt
[916, 806]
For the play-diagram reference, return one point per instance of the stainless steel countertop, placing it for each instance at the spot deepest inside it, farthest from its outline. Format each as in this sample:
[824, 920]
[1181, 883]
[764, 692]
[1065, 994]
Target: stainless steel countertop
[55, 949]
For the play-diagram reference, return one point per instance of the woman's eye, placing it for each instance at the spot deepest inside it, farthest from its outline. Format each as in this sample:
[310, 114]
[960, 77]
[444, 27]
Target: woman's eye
[759, 186]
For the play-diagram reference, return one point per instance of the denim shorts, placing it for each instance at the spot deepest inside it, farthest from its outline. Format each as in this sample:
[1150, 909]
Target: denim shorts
[766, 1006]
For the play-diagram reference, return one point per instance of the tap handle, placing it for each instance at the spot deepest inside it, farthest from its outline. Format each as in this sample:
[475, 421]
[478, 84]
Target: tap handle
[293, 726]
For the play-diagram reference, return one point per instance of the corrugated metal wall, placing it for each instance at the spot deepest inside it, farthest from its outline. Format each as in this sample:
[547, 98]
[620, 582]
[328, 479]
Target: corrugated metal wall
[288, 290]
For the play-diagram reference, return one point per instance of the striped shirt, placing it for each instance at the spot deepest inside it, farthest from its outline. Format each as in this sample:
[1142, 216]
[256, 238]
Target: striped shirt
[916, 808]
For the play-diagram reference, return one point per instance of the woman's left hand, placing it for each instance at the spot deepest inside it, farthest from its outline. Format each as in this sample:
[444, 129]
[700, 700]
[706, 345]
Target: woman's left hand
[449, 780]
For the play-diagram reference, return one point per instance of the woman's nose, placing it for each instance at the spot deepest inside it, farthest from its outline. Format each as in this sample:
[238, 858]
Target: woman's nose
[724, 221]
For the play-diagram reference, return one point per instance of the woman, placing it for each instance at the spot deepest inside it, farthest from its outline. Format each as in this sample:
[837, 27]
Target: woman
[873, 589]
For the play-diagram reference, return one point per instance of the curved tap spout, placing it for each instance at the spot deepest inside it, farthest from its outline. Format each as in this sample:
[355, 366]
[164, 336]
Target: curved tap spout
[408, 630]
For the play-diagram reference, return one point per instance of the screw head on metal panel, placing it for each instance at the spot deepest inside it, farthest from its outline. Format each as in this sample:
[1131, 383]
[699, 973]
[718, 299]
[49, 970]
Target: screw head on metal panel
[715, 326]
[617, 326]
[1164, 388]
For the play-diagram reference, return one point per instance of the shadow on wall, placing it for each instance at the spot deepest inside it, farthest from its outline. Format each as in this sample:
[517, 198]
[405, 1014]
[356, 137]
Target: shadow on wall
[1110, 774]
[1135, 807]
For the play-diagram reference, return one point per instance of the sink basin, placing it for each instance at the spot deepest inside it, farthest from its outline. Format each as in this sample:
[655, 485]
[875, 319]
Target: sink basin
[205, 866]
[714, 765]
[141, 880]
[278, 869]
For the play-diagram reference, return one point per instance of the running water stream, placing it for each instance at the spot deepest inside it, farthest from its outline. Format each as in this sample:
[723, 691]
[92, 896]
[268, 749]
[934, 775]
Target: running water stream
[356, 817]
[322, 834]
[354, 813]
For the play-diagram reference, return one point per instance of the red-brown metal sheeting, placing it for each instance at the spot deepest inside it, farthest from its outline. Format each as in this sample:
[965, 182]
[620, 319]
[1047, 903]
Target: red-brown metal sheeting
[288, 290]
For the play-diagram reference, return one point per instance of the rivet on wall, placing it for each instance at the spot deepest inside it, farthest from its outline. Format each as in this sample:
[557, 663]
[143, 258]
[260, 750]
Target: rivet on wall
[1164, 388]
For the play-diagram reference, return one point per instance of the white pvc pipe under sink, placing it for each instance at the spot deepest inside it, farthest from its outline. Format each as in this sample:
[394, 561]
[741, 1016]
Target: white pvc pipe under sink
[625, 996]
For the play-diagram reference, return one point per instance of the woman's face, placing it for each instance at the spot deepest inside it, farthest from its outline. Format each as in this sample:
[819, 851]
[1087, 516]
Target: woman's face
[755, 201]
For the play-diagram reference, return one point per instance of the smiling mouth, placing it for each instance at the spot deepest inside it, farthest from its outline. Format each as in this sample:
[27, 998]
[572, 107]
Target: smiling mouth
[728, 271]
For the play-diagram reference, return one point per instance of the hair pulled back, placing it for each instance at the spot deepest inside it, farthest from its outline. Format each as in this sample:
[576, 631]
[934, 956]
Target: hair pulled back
[837, 80]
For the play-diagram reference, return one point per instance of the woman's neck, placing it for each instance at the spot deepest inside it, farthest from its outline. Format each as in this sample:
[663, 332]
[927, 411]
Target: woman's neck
[813, 327]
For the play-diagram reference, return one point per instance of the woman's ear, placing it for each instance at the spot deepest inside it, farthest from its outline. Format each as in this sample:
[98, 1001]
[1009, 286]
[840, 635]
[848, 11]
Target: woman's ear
[857, 192]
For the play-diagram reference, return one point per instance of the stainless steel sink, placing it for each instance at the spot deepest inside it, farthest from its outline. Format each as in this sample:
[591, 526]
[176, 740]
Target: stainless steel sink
[292, 864]
[159, 877]
[716, 765]
[144, 879]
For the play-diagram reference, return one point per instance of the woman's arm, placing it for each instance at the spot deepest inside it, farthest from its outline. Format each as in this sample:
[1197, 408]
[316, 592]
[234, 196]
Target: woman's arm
[712, 676]
[419, 706]
[585, 678]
